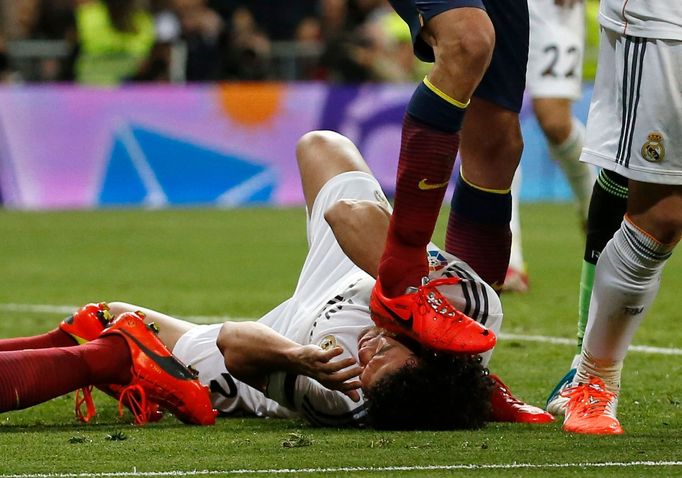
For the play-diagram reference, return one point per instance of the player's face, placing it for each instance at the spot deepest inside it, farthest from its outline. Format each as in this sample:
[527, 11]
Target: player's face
[380, 355]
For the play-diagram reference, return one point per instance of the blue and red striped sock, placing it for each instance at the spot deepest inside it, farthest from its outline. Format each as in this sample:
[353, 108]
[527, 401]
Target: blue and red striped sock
[478, 230]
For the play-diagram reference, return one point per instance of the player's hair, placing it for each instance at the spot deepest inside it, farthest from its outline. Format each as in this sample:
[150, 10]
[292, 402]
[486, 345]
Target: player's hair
[437, 391]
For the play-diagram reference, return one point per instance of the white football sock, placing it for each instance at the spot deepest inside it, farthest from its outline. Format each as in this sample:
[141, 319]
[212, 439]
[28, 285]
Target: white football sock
[626, 282]
[580, 176]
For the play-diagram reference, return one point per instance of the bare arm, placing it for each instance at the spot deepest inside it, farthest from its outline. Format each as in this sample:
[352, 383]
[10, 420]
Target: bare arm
[253, 351]
[360, 228]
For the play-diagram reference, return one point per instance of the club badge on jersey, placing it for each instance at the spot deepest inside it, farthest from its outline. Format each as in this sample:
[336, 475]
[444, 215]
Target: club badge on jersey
[437, 261]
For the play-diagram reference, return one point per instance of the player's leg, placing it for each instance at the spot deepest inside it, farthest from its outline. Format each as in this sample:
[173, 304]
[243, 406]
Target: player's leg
[170, 328]
[29, 377]
[321, 155]
[83, 325]
[627, 280]
[478, 227]
[566, 135]
[554, 81]
[127, 355]
[607, 208]
[461, 38]
[646, 148]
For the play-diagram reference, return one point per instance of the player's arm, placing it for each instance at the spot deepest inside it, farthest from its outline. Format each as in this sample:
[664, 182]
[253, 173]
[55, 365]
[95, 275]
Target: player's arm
[360, 228]
[254, 353]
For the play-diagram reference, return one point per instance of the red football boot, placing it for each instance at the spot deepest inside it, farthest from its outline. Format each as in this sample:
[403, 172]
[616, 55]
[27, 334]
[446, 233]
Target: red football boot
[507, 408]
[87, 322]
[426, 316]
[158, 377]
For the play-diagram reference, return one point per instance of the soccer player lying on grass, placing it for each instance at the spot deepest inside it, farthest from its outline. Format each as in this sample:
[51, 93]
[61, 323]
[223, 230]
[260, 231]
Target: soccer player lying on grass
[317, 355]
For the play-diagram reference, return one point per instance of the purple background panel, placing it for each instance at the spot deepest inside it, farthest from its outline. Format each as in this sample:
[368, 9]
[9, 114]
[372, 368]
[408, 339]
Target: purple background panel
[58, 144]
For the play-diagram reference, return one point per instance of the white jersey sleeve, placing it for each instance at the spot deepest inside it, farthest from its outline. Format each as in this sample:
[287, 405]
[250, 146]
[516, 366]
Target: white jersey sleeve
[319, 405]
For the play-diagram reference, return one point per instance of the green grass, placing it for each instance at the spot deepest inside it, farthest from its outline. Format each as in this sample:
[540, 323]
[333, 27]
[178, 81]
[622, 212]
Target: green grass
[241, 263]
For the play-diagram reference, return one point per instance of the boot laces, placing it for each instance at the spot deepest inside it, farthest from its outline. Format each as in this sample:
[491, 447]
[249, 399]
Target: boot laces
[85, 406]
[134, 397]
[433, 298]
[591, 399]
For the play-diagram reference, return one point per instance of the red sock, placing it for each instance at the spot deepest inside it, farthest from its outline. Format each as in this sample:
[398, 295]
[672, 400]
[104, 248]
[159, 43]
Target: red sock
[29, 377]
[54, 338]
[427, 156]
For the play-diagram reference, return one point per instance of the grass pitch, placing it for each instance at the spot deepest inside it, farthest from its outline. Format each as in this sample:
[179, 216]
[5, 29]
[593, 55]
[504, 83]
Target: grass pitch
[212, 263]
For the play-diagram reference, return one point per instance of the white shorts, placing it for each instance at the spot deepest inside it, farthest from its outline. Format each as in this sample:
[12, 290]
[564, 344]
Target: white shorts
[197, 348]
[555, 56]
[635, 122]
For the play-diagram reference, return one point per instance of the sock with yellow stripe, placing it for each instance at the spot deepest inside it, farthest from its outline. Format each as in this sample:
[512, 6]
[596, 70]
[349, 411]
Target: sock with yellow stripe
[478, 230]
[430, 140]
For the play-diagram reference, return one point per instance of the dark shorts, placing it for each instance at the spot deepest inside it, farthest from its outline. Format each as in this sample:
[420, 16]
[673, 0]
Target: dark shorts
[505, 80]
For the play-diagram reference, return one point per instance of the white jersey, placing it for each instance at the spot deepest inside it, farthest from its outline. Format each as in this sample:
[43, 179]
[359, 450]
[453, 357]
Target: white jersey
[329, 307]
[661, 19]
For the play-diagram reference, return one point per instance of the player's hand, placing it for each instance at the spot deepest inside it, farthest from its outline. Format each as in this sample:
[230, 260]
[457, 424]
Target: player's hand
[333, 374]
[567, 3]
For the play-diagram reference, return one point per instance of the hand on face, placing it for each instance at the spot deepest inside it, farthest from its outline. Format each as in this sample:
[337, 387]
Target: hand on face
[333, 374]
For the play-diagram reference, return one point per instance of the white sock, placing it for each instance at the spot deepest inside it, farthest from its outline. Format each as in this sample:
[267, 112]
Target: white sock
[516, 255]
[580, 176]
[626, 282]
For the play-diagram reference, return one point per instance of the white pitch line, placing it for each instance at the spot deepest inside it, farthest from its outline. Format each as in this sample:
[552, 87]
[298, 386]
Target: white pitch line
[276, 471]
[212, 319]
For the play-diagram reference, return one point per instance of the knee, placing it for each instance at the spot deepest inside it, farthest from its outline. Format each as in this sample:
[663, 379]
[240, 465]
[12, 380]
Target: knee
[118, 308]
[665, 228]
[468, 50]
[556, 128]
[223, 338]
[311, 144]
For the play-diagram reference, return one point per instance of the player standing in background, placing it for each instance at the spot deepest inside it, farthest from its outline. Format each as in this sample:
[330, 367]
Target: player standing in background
[480, 51]
[634, 129]
[555, 59]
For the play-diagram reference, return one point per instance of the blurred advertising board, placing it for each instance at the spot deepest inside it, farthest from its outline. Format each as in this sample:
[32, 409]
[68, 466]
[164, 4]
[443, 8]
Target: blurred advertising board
[225, 145]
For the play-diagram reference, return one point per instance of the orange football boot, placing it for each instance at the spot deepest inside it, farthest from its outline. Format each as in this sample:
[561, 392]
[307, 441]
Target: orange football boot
[425, 315]
[158, 377]
[591, 409]
[87, 322]
[507, 408]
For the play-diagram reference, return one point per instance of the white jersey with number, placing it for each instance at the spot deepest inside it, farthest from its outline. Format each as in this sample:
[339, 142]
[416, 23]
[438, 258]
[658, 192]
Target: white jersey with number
[330, 306]
[660, 19]
[556, 49]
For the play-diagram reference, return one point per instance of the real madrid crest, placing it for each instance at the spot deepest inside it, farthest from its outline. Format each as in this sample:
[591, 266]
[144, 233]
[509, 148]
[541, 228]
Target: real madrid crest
[328, 343]
[653, 149]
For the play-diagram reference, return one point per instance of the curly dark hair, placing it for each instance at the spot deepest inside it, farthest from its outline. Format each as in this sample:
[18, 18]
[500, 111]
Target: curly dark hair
[437, 391]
